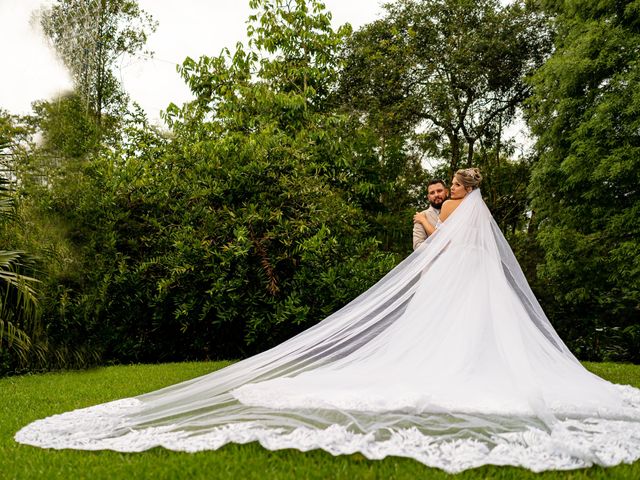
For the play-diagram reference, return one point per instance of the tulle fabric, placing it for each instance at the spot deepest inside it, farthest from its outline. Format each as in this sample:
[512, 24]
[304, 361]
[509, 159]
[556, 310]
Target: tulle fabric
[449, 359]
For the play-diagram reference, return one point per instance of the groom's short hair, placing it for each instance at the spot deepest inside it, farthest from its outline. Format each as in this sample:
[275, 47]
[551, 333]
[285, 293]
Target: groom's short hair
[436, 180]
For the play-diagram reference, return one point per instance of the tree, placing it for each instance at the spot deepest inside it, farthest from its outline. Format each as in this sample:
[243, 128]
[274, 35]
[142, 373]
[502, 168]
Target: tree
[231, 233]
[90, 36]
[585, 112]
[453, 68]
[295, 52]
[300, 47]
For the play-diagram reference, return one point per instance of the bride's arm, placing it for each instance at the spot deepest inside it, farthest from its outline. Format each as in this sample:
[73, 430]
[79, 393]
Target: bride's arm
[447, 209]
[422, 220]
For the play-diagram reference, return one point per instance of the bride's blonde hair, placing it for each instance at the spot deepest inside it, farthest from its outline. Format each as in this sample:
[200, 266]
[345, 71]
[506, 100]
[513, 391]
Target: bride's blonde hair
[469, 177]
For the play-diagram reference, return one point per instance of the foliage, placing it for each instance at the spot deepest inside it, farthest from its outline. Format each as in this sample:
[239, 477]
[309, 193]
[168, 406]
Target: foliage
[14, 143]
[504, 187]
[68, 131]
[437, 83]
[284, 186]
[229, 234]
[20, 326]
[223, 250]
[67, 137]
[455, 68]
[298, 46]
[586, 114]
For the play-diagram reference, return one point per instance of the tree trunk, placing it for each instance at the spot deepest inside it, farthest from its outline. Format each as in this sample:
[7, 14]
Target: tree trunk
[100, 65]
[455, 153]
[470, 142]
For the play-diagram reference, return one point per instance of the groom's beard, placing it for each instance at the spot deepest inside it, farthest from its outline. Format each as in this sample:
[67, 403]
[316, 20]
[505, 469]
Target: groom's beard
[438, 204]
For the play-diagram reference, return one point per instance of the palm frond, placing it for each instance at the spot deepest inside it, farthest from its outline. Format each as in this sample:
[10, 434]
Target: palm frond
[19, 307]
[16, 339]
[7, 203]
[5, 144]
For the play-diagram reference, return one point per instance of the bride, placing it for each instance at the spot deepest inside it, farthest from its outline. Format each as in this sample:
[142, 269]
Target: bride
[449, 359]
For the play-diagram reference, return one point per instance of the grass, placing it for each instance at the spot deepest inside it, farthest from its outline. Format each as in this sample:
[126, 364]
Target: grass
[27, 398]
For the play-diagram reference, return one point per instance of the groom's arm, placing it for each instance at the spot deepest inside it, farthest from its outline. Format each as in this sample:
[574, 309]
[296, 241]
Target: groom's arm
[419, 235]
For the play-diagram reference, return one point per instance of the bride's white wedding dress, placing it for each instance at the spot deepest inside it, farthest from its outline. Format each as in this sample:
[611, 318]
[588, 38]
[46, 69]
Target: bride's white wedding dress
[449, 360]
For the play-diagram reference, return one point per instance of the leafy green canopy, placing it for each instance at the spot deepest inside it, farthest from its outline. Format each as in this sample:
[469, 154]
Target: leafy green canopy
[586, 184]
[232, 234]
[454, 69]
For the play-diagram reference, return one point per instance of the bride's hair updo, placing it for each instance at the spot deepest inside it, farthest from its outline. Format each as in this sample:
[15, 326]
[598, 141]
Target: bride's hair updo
[469, 177]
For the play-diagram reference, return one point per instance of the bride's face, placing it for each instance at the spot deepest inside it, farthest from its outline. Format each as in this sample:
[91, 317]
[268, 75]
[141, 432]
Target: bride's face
[457, 189]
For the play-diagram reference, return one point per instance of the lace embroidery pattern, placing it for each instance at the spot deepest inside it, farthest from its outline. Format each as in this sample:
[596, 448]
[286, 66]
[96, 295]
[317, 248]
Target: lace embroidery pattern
[571, 443]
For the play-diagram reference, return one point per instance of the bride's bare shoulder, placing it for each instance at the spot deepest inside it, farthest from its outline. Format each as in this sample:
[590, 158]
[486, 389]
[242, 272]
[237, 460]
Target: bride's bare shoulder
[447, 208]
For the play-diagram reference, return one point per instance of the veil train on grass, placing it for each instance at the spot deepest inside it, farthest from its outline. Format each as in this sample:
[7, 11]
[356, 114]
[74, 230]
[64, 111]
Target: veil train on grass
[449, 359]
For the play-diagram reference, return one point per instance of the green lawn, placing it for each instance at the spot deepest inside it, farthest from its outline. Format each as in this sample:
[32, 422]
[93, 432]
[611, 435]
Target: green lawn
[26, 398]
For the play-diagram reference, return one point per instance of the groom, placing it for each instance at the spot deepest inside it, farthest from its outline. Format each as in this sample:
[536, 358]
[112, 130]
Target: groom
[437, 193]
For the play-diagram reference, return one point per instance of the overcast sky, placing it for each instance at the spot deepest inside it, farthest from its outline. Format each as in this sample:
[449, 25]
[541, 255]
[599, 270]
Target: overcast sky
[185, 28]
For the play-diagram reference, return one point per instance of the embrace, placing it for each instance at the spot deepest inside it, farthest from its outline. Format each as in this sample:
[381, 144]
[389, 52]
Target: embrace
[426, 222]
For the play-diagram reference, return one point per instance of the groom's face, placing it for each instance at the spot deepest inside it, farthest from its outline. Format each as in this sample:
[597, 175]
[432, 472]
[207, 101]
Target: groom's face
[437, 194]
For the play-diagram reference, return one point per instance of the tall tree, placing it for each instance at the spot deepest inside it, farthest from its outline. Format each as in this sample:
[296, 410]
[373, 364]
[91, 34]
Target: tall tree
[585, 189]
[299, 45]
[232, 235]
[91, 36]
[453, 68]
[301, 53]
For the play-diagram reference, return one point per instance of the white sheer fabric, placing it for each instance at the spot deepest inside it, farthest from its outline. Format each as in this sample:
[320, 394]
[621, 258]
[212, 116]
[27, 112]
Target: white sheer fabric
[448, 359]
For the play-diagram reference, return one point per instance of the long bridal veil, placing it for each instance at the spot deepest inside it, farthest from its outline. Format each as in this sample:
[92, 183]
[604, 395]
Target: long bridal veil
[449, 359]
